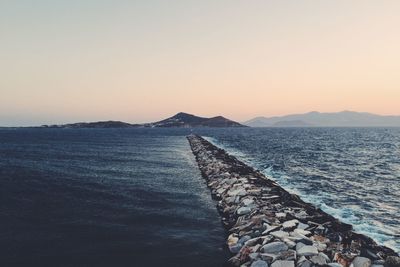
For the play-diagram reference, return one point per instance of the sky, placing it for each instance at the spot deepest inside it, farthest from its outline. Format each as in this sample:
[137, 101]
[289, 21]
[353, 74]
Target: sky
[141, 61]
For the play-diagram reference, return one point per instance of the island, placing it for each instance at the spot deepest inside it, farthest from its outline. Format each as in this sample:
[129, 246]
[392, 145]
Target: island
[181, 120]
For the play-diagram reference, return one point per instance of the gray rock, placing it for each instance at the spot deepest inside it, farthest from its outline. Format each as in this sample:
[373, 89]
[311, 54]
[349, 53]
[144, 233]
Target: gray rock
[247, 201]
[302, 232]
[230, 200]
[274, 247]
[290, 224]
[280, 234]
[301, 215]
[324, 256]
[230, 181]
[267, 239]
[290, 243]
[307, 251]
[256, 233]
[253, 256]
[318, 260]
[243, 239]
[392, 261]
[289, 255]
[243, 210]
[235, 248]
[335, 264]
[255, 248]
[280, 263]
[221, 190]
[305, 263]
[301, 238]
[280, 215]
[269, 257]
[361, 262]
[237, 192]
[270, 229]
[302, 226]
[252, 242]
[259, 263]
[320, 246]
[244, 226]
[301, 259]
[299, 245]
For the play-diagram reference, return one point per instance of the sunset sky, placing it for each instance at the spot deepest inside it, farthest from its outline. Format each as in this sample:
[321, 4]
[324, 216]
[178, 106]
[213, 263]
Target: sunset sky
[139, 61]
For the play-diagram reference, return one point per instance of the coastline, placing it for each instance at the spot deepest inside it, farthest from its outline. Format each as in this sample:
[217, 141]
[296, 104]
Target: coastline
[268, 226]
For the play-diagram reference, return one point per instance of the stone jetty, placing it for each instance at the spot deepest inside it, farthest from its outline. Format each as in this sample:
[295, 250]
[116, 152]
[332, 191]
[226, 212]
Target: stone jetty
[268, 226]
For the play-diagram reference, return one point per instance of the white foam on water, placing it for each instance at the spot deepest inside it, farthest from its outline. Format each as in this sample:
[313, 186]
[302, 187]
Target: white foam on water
[382, 234]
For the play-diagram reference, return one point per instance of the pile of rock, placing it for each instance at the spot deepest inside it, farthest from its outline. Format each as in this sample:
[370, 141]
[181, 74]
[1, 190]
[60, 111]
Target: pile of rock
[268, 226]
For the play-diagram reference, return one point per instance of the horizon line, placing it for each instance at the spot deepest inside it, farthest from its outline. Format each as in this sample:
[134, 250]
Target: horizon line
[164, 117]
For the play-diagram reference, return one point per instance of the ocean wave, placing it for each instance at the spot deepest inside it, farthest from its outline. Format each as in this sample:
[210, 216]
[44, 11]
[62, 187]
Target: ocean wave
[356, 214]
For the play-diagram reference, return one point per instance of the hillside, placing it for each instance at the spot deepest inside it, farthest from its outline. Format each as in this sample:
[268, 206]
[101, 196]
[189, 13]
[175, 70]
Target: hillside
[179, 120]
[188, 120]
[317, 119]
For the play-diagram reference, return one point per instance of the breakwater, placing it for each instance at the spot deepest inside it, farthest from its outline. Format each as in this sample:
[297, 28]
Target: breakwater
[268, 226]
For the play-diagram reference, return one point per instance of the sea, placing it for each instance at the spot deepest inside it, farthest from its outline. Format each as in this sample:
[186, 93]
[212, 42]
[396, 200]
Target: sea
[135, 197]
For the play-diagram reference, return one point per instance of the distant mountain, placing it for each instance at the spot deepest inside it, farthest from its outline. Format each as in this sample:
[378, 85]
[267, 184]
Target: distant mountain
[295, 123]
[317, 119]
[179, 120]
[188, 120]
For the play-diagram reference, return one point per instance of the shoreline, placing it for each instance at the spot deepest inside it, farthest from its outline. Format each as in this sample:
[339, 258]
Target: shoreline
[268, 226]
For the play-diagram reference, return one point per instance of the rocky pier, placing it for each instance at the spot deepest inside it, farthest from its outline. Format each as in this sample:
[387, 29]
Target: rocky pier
[268, 226]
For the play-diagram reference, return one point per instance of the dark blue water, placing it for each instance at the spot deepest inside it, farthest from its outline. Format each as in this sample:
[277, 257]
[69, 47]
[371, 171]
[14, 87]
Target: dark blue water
[104, 198]
[135, 197]
[351, 173]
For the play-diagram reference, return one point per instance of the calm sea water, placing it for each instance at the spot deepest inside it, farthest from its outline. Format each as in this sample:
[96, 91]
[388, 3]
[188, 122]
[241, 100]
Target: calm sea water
[135, 197]
[104, 198]
[351, 173]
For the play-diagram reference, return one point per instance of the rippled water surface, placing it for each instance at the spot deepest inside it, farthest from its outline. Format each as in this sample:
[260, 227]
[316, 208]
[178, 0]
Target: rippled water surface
[135, 197]
[104, 198]
[353, 174]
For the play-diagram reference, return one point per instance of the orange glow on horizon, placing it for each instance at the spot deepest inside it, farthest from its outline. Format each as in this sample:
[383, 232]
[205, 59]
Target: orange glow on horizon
[141, 62]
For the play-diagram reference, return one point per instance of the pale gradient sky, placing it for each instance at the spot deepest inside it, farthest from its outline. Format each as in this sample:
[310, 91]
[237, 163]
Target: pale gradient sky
[139, 61]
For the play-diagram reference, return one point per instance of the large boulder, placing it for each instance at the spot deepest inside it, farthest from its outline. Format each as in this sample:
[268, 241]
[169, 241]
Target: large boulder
[274, 247]
[243, 210]
[280, 263]
[307, 251]
[290, 224]
[361, 262]
[280, 234]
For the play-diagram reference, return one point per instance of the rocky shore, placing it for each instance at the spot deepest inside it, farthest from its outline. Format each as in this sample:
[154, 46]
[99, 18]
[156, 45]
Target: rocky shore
[268, 226]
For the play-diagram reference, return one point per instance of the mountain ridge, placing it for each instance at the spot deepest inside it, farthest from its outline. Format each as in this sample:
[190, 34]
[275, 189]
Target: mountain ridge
[344, 118]
[179, 120]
